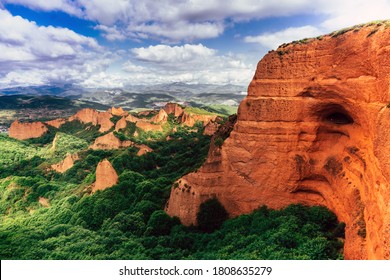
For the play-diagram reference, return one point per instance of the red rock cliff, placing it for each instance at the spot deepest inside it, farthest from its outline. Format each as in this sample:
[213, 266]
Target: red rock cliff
[161, 117]
[147, 126]
[314, 129]
[106, 176]
[23, 131]
[56, 123]
[65, 164]
[121, 124]
[173, 108]
[118, 111]
[191, 119]
[88, 115]
[109, 142]
[211, 128]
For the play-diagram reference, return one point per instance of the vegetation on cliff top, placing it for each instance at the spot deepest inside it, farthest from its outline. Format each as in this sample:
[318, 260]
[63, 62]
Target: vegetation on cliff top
[375, 25]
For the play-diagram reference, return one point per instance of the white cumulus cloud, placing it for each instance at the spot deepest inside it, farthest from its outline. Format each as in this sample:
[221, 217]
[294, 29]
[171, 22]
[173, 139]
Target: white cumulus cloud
[173, 54]
[191, 20]
[350, 12]
[186, 63]
[31, 54]
[111, 33]
[169, 20]
[273, 40]
[41, 54]
[67, 6]
[182, 63]
[23, 40]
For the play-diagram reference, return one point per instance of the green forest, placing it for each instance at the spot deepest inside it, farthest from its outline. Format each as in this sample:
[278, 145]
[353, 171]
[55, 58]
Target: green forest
[127, 221]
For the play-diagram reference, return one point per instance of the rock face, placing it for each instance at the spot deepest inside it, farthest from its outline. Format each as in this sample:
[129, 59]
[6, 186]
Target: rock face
[191, 119]
[147, 113]
[56, 123]
[109, 142]
[106, 176]
[147, 126]
[173, 108]
[117, 111]
[314, 129]
[66, 164]
[211, 128]
[143, 149]
[23, 131]
[121, 124]
[161, 117]
[88, 115]
[131, 118]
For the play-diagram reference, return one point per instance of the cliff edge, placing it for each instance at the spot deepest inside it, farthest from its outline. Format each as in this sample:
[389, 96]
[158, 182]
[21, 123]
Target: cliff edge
[314, 129]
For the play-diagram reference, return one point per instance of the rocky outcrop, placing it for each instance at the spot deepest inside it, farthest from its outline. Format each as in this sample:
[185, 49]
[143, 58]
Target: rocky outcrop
[44, 202]
[147, 113]
[131, 118]
[211, 128]
[314, 129]
[143, 149]
[155, 123]
[56, 123]
[109, 142]
[161, 117]
[147, 126]
[106, 176]
[121, 124]
[96, 118]
[65, 164]
[186, 119]
[190, 119]
[118, 112]
[173, 108]
[23, 131]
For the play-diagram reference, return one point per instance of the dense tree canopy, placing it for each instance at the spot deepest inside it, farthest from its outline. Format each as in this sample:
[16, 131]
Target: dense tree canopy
[127, 221]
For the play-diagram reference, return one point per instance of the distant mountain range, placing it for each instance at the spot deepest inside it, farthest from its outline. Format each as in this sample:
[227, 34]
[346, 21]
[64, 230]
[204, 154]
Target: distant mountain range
[57, 90]
[30, 101]
[141, 96]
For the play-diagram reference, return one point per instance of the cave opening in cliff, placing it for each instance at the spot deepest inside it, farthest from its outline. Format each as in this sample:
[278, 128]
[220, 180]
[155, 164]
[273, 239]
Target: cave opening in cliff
[335, 114]
[338, 118]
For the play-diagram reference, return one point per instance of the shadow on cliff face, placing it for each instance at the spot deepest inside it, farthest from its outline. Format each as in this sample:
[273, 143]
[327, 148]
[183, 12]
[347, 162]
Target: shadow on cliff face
[331, 168]
[314, 129]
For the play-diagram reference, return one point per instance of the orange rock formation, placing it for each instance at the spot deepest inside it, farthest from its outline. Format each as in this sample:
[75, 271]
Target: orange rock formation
[96, 118]
[161, 117]
[117, 111]
[121, 124]
[65, 164]
[314, 129]
[173, 108]
[56, 123]
[191, 119]
[109, 142]
[23, 131]
[143, 149]
[106, 176]
[211, 128]
[131, 118]
[147, 126]
[146, 113]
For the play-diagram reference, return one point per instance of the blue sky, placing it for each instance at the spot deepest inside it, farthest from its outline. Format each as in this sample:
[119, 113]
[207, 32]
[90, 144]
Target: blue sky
[107, 43]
